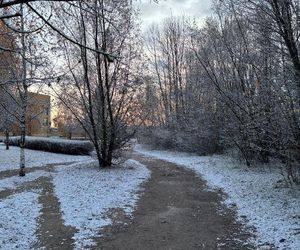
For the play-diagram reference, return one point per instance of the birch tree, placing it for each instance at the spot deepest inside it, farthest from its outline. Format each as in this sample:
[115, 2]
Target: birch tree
[27, 72]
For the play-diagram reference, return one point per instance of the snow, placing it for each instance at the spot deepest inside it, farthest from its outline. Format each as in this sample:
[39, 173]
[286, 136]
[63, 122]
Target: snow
[15, 181]
[272, 209]
[18, 224]
[9, 159]
[86, 195]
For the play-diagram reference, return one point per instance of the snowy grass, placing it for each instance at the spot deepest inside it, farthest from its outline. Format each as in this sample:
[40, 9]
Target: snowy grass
[18, 224]
[9, 159]
[86, 194]
[273, 210]
[15, 181]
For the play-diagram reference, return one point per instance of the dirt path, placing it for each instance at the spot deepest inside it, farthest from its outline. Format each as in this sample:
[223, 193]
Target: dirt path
[52, 233]
[175, 212]
[15, 172]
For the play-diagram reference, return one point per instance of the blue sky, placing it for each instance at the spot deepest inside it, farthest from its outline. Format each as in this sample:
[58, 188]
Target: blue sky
[154, 13]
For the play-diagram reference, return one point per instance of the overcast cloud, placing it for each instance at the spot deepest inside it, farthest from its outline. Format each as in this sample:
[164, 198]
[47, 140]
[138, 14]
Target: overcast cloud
[155, 13]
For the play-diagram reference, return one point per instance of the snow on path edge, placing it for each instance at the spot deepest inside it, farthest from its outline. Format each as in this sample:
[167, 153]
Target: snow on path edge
[273, 211]
[86, 194]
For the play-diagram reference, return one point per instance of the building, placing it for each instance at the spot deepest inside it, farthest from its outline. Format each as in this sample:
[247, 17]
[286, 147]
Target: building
[38, 116]
[67, 125]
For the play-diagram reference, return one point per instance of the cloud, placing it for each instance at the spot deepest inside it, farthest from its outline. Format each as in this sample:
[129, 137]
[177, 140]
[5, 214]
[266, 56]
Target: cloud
[151, 12]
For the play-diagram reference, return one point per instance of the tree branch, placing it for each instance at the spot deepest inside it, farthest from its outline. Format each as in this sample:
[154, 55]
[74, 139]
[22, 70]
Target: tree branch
[10, 16]
[15, 2]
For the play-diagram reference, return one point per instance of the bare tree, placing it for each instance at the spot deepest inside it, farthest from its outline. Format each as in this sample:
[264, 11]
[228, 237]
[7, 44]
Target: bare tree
[99, 90]
[25, 74]
[235, 80]
[175, 76]
[66, 122]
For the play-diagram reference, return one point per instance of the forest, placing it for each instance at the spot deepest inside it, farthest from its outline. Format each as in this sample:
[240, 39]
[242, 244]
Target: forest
[124, 125]
[231, 83]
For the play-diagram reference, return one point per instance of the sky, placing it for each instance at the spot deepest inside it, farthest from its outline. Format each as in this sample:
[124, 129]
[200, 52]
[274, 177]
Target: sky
[151, 12]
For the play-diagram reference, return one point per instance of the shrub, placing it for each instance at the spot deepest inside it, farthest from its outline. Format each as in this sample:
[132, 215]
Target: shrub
[184, 139]
[61, 146]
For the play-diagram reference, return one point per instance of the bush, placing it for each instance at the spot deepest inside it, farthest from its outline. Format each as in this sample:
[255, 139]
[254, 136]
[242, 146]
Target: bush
[61, 146]
[184, 139]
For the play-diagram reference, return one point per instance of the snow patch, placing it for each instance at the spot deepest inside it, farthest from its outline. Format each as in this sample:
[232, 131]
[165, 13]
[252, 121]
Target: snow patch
[18, 224]
[16, 181]
[274, 212]
[9, 159]
[87, 193]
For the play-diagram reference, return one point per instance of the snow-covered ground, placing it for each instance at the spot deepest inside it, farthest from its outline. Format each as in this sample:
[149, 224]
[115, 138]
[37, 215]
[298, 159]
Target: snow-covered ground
[86, 195]
[15, 181]
[18, 224]
[274, 210]
[9, 159]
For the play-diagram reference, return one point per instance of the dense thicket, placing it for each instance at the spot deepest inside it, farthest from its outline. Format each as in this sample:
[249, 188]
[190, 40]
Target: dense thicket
[234, 82]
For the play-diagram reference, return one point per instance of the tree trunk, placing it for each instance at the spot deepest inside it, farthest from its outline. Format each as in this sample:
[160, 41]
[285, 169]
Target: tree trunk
[7, 139]
[24, 101]
[22, 150]
[283, 13]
